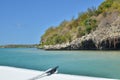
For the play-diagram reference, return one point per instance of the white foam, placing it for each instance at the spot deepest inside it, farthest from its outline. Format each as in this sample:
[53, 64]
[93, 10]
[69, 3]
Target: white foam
[11, 73]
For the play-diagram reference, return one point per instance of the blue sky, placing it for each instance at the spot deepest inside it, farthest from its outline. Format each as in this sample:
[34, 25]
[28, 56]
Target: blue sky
[24, 21]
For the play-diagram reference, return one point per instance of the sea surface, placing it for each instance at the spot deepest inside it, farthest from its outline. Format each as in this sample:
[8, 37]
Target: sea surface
[86, 63]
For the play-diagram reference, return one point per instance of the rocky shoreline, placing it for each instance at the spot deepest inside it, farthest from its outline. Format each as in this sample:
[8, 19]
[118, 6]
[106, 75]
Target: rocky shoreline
[105, 37]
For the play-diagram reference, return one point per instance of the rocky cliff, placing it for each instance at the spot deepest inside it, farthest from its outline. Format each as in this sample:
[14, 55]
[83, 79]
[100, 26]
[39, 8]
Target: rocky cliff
[106, 36]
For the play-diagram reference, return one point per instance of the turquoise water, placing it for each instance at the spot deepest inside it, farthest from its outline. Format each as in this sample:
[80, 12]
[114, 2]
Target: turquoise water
[88, 63]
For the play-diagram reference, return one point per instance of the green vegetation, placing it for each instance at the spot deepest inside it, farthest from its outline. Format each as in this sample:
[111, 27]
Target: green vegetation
[19, 46]
[84, 24]
[109, 5]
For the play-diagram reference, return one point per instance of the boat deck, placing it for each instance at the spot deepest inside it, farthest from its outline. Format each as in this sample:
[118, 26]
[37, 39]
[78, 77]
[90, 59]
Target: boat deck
[11, 73]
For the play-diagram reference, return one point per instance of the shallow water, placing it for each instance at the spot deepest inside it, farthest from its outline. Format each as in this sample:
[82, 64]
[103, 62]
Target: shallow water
[88, 63]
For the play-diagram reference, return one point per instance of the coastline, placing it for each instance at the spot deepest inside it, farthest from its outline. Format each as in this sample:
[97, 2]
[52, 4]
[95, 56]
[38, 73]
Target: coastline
[12, 73]
[103, 38]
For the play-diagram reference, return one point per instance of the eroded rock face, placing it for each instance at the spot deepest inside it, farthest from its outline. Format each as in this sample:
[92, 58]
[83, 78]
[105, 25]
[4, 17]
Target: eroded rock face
[110, 43]
[106, 36]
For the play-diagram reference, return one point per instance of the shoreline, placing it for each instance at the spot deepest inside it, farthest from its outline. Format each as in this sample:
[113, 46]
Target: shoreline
[13, 73]
[106, 36]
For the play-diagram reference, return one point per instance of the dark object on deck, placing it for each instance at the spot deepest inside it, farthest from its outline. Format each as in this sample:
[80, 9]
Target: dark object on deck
[52, 71]
[46, 73]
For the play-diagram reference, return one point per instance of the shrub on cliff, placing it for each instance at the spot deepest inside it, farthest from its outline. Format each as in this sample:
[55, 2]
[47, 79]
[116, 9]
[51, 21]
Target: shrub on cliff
[84, 24]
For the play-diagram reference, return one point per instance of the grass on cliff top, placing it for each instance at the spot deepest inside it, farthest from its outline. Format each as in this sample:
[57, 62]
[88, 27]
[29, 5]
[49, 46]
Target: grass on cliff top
[84, 24]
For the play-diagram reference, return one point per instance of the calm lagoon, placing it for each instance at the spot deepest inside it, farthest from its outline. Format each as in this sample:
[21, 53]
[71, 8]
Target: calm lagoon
[87, 63]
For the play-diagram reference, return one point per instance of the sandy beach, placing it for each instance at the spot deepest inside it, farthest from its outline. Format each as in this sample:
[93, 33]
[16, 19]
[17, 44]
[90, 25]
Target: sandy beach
[12, 73]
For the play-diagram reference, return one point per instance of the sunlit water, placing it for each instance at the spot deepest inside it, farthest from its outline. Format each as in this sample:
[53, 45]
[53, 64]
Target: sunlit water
[88, 63]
